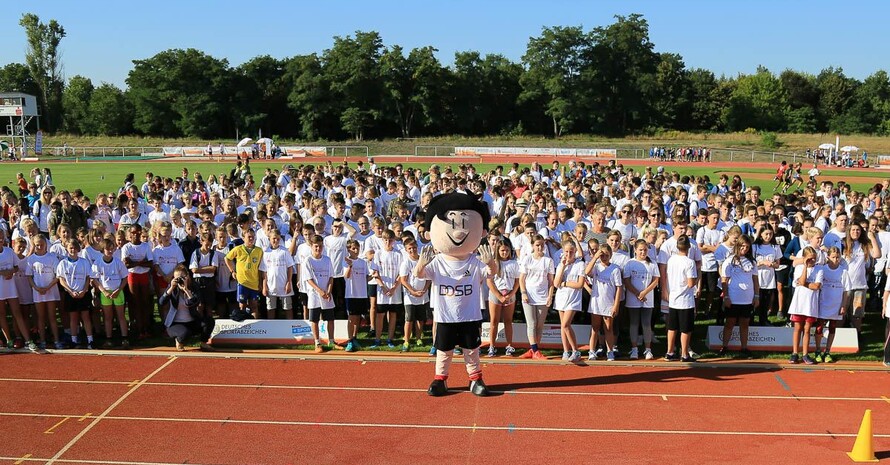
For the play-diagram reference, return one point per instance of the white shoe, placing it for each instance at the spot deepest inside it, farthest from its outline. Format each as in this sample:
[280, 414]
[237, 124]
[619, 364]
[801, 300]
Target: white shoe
[591, 356]
[509, 351]
[694, 355]
[565, 356]
[647, 354]
[576, 355]
[634, 354]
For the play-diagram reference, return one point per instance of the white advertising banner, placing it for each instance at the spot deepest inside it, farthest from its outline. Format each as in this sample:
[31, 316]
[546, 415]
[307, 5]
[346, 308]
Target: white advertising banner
[551, 338]
[273, 332]
[503, 152]
[300, 151]
[779, 339]
[38, 143]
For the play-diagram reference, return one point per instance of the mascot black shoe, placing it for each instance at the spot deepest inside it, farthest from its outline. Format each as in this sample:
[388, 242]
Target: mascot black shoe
[438, 388]
[457, 266]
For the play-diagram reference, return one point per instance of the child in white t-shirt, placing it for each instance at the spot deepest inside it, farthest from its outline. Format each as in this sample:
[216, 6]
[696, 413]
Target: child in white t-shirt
[569, 281]
[682, 284]
[386, 266]
[166, 256]
[804, 308]
[277, 268]
[110, 277]
[640, 279]
[355, 273]
[417, 294]
[536, 281]
[41, 271]
[315, 273]
[742, 293]
[75, 277]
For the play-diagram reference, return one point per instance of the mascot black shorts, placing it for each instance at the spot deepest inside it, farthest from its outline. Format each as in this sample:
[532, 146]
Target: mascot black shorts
[466, 334]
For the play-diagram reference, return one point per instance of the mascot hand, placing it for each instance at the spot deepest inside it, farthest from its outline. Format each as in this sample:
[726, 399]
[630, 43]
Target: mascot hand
[486, 255]
[426, 256]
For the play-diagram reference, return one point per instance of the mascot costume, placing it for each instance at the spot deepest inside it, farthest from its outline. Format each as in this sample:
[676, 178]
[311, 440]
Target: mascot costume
[457, 224]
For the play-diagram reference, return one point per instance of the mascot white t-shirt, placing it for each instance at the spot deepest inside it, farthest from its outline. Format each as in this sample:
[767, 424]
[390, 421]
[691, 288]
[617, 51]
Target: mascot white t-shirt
[457, 285]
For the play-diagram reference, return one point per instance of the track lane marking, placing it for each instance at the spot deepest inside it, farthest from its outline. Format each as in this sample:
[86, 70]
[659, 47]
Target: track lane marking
[29, 458]
[510, 392]
[51, 428]
[22, 459]
[102, 415]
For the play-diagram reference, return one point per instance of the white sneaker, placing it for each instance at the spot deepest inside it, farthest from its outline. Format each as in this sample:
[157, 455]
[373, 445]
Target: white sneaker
[647, 354]
[634, 354]
[694, 355]
[592, 356]
[565, 355]
[576, 355]
[509, 351]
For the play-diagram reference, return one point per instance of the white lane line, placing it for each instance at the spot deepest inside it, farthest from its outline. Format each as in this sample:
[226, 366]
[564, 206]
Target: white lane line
[62, 381]
[476, 427]
[511, 392]
[513, 428]
[28, 458]
[107, 411]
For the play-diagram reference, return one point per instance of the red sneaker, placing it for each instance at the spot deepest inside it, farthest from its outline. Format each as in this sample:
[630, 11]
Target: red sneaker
[527, 354]
[539, 356]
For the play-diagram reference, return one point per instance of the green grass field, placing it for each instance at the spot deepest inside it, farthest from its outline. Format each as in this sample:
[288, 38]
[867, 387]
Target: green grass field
[95, 177]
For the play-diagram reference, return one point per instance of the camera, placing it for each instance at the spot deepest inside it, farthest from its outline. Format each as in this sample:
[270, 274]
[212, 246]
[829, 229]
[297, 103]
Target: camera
[178, 281]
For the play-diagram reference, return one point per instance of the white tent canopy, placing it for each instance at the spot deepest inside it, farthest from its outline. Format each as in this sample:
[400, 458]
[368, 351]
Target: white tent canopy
[849, 148]
[244, 142]
[826, 146]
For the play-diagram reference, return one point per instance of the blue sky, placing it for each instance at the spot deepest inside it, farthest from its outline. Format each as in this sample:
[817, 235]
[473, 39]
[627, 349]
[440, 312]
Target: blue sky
[727, 37]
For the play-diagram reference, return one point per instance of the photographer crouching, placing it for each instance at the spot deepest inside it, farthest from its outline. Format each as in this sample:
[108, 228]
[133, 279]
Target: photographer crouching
[184, 320]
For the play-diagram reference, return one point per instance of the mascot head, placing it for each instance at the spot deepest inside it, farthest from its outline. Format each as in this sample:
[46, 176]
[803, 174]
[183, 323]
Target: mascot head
[456, 223]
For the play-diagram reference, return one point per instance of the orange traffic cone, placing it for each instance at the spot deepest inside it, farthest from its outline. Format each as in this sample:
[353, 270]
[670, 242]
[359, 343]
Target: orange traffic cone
[863, 450]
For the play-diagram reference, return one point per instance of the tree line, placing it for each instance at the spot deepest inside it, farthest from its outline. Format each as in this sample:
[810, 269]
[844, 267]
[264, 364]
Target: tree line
[608, 80]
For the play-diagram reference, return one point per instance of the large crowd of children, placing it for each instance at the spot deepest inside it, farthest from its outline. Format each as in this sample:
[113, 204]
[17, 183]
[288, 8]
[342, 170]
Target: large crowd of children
[602, 244]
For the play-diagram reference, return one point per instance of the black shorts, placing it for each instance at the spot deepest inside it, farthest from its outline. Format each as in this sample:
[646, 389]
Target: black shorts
[681, 319]
[372, 291]
[206, 291]
[83, 304]
[416, 312]
[709, 281]
[783, 276]
[301, 300]
[318, 314]
[466, 334]
[357, 307]
[338, 290]
[389, 308]
[739, 311]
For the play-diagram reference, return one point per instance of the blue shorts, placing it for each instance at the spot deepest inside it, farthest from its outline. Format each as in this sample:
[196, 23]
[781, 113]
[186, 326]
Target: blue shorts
[246, 294]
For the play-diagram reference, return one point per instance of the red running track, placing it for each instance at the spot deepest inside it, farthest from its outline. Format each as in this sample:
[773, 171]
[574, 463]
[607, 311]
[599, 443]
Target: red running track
[139, 410]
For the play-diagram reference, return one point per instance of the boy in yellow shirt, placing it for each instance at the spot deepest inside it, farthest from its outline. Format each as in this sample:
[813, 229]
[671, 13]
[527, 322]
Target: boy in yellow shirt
[244, 261]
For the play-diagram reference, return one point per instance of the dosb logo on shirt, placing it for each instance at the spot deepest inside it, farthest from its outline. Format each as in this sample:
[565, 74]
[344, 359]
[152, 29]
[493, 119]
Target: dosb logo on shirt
[455, 291]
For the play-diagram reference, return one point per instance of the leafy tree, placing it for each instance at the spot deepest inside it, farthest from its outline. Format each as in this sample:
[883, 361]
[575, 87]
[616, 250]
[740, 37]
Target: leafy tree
[835, 91]
[758, 102]
[260, 90]
[110, 112]
[310, 97]
[15, 77]
[45, 65]
[672, 105]
[623, 76]
[355, 121]
[705, 106]
[181, 92]
[554, 63]
[483, 96]
[413, 86]
[352, 70]
[76, 102]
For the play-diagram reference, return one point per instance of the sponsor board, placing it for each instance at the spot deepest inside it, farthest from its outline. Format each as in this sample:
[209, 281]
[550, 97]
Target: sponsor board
[300, 152]
[533, 151]
[550, 339]
[273, 332]
[779, 339]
